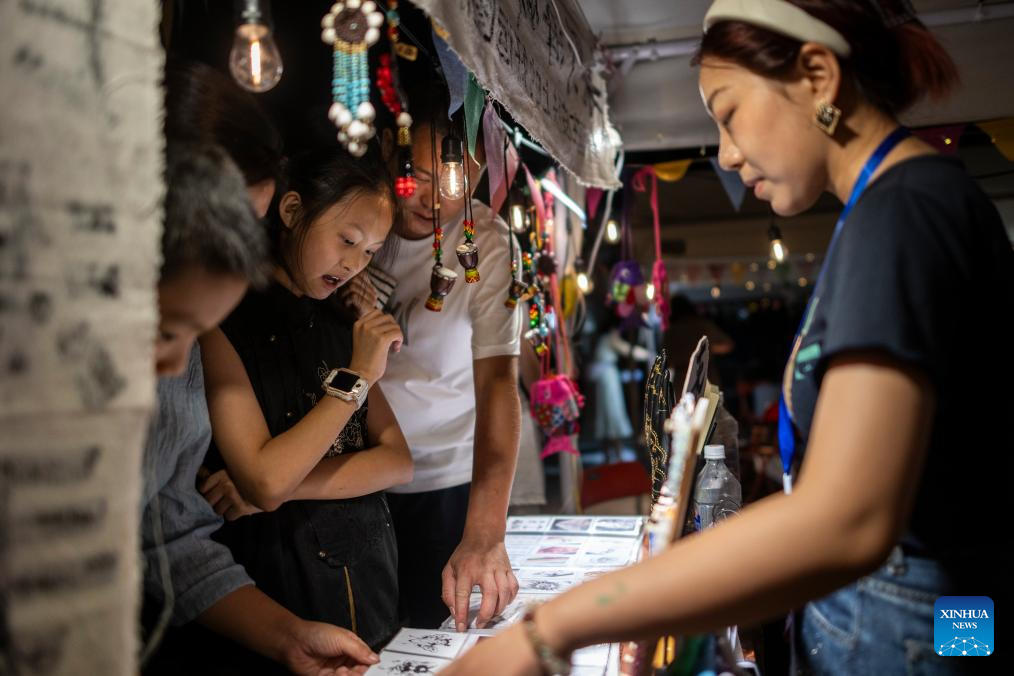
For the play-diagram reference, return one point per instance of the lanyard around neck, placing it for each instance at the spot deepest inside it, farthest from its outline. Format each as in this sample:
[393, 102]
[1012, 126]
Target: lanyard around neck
[786, 428]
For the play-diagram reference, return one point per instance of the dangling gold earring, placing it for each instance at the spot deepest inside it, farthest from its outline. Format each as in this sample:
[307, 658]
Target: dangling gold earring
[827, 117]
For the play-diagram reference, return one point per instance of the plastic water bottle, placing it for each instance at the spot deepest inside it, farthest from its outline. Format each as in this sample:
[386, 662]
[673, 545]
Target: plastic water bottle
[718, 494]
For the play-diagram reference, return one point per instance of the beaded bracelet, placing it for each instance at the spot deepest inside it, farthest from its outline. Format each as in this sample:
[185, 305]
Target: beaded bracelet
[551, 663]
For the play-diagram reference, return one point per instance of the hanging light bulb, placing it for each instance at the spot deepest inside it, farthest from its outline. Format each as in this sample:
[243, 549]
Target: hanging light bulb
[452, 178]
[517, 218]
[584, 284]
[612, 231]
[778, 249]
[716, 291]
[649, 291]
[254, 60]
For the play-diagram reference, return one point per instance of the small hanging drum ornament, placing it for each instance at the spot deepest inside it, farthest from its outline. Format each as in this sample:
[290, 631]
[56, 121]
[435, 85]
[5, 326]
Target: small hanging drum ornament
[351, 27]
[468, 253]
[517, 288]
[441, 282]
[514, 293]
[528, 277]
[441, 279]
[538, 341]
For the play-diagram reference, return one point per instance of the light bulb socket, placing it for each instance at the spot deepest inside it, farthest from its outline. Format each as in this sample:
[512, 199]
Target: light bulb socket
[774, 233]
[450, 149]
[251, 12]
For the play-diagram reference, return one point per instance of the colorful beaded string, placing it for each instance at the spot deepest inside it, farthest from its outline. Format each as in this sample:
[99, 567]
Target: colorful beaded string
[390, 94]
[351, 27]
[468, 253]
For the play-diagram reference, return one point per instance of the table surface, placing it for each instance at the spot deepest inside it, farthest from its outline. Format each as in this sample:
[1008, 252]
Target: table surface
[549, 554]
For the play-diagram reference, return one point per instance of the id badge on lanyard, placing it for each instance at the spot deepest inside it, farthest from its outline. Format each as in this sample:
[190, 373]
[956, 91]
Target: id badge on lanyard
[786, 426]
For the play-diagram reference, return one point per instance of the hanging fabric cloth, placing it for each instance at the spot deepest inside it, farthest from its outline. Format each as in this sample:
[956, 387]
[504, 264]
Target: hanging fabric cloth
[659, 275]
[626, 275]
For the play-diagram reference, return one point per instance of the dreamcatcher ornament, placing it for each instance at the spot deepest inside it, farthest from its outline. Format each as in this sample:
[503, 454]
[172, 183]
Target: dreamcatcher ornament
[351, 27]
[624, 279]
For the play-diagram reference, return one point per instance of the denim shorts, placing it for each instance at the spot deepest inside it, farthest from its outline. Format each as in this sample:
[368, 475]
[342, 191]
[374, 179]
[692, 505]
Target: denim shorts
[881, 624]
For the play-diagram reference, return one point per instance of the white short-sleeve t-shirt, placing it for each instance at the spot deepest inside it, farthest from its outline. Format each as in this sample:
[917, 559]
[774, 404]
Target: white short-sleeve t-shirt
[429, 382]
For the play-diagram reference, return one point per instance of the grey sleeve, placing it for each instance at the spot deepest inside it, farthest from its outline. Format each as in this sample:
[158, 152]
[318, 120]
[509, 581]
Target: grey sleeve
[201, 570]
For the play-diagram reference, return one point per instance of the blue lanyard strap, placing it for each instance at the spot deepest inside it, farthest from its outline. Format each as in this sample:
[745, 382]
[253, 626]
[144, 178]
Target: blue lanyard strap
[786, 429]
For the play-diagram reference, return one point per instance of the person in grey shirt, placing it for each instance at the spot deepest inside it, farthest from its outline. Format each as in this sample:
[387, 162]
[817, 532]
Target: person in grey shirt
[178, 522]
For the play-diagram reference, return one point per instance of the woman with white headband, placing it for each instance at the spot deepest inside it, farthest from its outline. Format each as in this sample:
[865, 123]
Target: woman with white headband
[892, 432]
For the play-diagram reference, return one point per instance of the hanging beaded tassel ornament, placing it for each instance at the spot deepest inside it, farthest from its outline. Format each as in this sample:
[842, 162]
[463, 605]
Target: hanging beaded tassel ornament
[404, 182]
[538, 331]
[351, 27]
[468, 253]
[517, 290]
[441, 278]
[390, 94]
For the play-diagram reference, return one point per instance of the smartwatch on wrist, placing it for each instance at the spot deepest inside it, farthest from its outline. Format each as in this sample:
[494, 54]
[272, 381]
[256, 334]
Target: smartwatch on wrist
[346, 385]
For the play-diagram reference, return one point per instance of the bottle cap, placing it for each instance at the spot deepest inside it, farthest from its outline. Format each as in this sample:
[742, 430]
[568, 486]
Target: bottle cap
[714, 452]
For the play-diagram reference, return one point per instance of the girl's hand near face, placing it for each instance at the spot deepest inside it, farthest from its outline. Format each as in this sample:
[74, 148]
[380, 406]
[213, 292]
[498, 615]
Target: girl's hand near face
[374, 335]
[360, 294]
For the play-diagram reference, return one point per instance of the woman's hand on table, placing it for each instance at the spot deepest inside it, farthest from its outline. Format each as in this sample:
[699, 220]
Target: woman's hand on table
[223, 496]
[507, 654]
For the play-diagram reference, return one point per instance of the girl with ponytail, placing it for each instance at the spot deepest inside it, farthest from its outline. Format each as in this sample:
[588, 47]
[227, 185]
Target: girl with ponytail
[886, 426]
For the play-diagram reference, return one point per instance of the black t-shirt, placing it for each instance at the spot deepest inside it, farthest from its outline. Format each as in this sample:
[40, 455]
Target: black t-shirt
[923, 272]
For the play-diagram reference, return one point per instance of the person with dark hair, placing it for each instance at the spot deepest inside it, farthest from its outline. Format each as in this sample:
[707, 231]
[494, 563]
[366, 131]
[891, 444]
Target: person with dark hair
[211, 242]
[454, 388]
[897, 426]
[206, 105]
[213, 248]
[303, 454]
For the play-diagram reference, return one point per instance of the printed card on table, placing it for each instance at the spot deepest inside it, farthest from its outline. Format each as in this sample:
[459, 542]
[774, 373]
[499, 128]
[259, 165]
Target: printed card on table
[626, 526]
[528, 524]
[511, 614]
[427, 643]
[520, 546]
[400, 663]
[548, 580]
[571, 524]
[606, 553]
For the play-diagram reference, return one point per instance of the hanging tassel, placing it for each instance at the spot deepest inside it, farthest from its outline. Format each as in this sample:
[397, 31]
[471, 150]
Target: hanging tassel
[351, 27]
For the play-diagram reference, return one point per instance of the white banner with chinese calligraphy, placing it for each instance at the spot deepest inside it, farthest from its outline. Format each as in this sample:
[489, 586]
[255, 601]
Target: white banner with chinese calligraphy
[539, 59]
